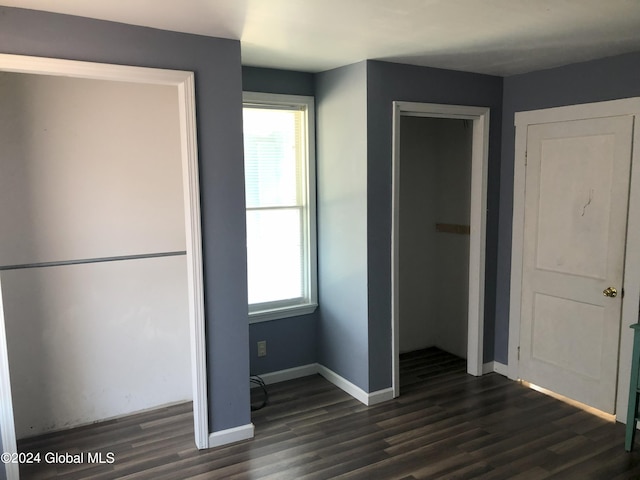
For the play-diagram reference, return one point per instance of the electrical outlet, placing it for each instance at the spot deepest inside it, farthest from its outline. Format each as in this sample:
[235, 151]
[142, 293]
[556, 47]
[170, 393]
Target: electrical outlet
[262, 348]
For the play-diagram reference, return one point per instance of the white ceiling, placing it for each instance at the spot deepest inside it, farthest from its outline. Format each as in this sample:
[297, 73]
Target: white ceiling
[499, 37]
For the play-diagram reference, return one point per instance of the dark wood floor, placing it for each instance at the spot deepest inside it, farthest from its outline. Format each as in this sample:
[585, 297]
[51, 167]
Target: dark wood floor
[445, 425]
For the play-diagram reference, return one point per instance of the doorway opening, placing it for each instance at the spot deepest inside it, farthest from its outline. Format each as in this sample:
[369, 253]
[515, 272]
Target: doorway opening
[438, 232]
[179, 87]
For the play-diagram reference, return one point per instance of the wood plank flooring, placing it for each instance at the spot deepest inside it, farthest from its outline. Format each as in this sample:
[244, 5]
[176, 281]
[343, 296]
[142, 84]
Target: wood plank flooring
[445, 425]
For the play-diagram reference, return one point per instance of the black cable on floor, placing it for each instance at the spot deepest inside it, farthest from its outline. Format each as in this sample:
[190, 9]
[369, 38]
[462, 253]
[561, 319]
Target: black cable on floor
[255, 379]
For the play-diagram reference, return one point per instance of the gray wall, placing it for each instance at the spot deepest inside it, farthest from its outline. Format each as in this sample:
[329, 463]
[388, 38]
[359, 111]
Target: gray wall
[354, 120]
[291, 342]
[599, 80]
[435, 183]
[216, 63]
[341, 106]
[271, 80]
[387, 82]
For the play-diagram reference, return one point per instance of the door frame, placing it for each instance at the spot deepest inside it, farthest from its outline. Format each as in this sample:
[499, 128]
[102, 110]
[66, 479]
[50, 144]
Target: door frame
[478, 222]
[184, 83]
[631, 279]
[7, 424]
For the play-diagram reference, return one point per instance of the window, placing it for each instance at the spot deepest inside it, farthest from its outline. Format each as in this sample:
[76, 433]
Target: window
[279, 166]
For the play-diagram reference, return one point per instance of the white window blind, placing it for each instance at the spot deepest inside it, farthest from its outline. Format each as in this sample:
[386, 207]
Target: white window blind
[280, 216]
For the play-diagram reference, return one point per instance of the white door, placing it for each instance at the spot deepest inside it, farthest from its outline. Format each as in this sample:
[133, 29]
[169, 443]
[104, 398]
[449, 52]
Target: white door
[576, 197]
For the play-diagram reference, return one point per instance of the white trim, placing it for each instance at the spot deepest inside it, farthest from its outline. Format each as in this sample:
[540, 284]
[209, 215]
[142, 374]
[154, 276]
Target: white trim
[500, 368]
[478, 220]
[611, 108]
[517, 245]
[630, 106]
[184, 83]
[90, 70]
[344, 384]
[280, 313]
[380, 396]
[9, 443]
[355, 391]
[488, 367]
[288, 374]
[631, 282]
[231, 435]
[494, 366]
[191, 188]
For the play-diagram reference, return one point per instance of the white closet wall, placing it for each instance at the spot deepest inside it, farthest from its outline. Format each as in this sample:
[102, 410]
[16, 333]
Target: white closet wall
[91, 170]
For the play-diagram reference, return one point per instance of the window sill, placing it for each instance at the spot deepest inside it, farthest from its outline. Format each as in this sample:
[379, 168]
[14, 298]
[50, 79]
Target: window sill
[279, 313]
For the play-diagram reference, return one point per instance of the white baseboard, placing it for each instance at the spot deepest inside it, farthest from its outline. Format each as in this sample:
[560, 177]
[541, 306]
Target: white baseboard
[494, 366]
[231, 435]
[500, 368]
[288, 374]
[488, 368]
[380, 396]
[355, 391]
[344, 384]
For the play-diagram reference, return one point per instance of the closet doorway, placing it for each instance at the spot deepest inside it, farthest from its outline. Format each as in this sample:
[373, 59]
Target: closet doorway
[112, 251]
[439, 218]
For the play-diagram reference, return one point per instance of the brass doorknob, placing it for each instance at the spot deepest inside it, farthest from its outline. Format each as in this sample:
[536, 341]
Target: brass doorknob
[610, 292]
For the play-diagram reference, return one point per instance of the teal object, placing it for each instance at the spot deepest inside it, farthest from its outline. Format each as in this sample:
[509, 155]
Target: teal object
[634, 390]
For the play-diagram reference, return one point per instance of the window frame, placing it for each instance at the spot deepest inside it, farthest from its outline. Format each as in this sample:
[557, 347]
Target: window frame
[279, 309]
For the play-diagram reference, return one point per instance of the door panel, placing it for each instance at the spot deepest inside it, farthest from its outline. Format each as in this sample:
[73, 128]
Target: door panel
[557, 319]
[571, 171]
[577, 187]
